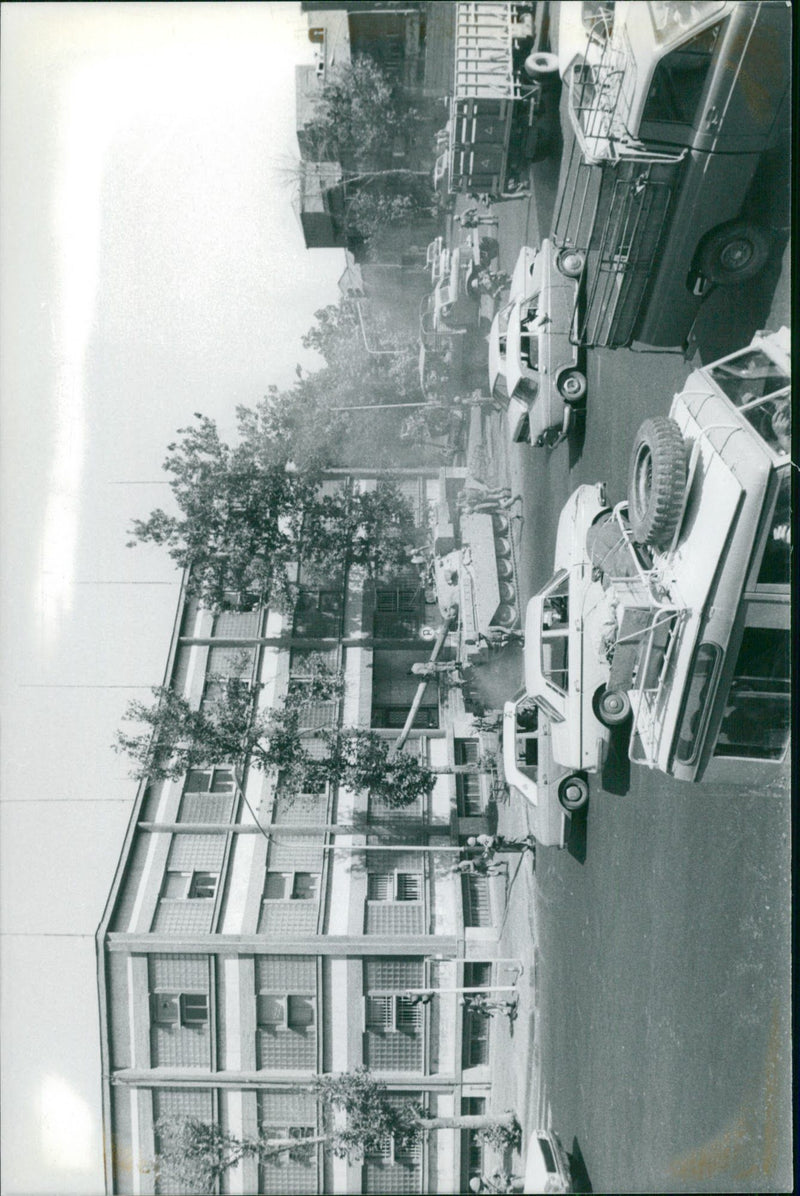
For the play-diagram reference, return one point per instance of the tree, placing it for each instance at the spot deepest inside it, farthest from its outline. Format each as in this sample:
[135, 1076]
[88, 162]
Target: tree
[176, 737]
[249, 513]
[354, 372]
[197, 1154]
[372, 1114]
[358, 116]
[194, 1155]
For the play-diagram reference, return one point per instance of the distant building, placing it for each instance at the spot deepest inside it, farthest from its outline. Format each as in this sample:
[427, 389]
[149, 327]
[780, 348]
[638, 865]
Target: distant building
[233, 967]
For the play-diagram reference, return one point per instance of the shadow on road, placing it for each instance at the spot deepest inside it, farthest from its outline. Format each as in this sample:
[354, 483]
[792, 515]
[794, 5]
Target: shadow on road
[580, 1176]
[577, 437]
[617, 768]
[577, 835]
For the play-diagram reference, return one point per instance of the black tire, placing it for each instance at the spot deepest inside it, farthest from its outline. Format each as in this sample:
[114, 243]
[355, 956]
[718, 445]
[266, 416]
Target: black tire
[656, 481]
[570, 262]
[612, 706]
[573, 792]
[505, 569]
[734, 253]
[540, 64]
[572, 387]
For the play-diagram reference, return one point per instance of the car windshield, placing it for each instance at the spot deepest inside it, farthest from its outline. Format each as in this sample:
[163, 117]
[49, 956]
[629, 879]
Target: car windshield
[503, 317]
[673, 19]
[761, 390]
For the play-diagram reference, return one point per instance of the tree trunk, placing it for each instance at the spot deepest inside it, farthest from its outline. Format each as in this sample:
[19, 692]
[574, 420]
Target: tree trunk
[280, 1145]
[460, 769]
[467, 1121]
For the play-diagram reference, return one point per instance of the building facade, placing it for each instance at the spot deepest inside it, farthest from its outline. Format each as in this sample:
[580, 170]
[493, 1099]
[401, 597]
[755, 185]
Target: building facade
[252, 942]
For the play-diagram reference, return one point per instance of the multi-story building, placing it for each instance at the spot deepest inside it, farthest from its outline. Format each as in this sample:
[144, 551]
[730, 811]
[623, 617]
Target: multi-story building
[235, 965]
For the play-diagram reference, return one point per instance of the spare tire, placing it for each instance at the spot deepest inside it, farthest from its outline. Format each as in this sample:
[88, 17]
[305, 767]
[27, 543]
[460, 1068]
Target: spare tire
[656, 481]
[540, 63]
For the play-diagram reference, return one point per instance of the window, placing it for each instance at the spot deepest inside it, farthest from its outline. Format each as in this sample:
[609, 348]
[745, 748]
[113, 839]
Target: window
[180, 886]
[468, 785]
[555, 659]
[194, 1009]
[299, 1012]
[679, 80]
[186, 1009]
[203, 885]
[275, 1012]
[291, 886]
[397, 612]
[221, 690]
[394, 717]
[389, 1152]
[389, 1013]
[318, 613]
[209, 780]
[394, 886]
[776, 563]
[749, 376]
[757, 721]
[477, 903]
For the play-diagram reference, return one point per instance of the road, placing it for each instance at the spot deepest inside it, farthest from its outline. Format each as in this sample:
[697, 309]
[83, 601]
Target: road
[661, 1011]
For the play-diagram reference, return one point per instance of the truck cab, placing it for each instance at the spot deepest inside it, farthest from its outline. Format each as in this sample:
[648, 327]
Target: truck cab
[671, 116]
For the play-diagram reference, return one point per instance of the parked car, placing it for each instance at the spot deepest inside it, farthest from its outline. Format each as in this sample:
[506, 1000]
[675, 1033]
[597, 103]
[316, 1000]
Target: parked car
[530, 771]
[698, 567]
[533, 364]
[566, 624]
[547, 1165]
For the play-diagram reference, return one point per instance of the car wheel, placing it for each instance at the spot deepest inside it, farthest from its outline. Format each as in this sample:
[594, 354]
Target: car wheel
[612, 706]
[572, 387]
[540, 63]
[573, 792]
[571, 262]
[656, 481]
[734, 253]
[505, 615]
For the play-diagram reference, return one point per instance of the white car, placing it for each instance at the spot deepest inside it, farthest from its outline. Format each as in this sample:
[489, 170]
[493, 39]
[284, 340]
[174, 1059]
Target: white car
[529, 770]
[533, 364]
[566, 627]
[547, 1166]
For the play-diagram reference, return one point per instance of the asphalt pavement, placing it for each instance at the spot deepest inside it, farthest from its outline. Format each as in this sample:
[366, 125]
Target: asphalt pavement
[654, 1031]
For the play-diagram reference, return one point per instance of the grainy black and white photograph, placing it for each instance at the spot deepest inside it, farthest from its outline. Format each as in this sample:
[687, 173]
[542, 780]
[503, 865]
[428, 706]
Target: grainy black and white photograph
[397, 592]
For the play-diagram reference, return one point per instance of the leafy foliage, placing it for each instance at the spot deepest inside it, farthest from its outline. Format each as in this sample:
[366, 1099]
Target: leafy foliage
[194, 1155]
[370, 1114]
[175, 737]
[248, 514]
[358, 115]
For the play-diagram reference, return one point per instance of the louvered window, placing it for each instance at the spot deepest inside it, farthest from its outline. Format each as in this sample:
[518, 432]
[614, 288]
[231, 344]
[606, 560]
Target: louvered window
[477, 902]
[394, 886]
[409, 886]
[394, 1013]
[408, 1015]
[380, 1013]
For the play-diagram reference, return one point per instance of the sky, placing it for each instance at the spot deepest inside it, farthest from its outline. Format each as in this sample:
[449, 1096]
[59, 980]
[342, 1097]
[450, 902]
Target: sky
[151, 266]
